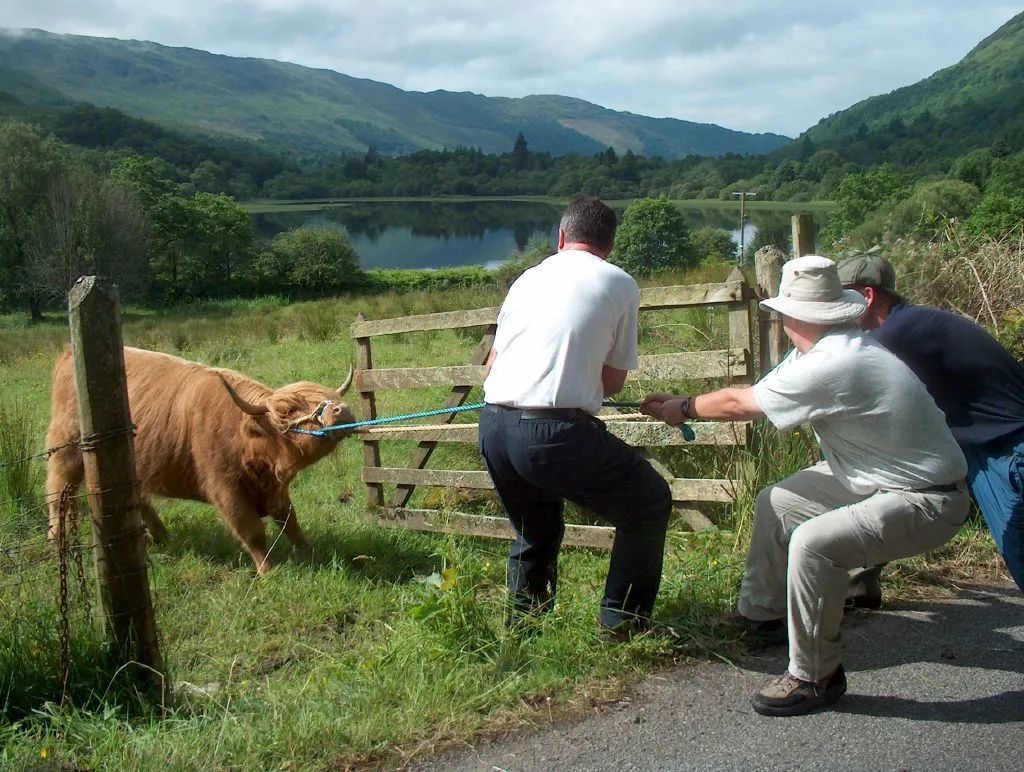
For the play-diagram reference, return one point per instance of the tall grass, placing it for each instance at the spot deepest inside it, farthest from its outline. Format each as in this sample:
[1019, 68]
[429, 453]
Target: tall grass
[979, 277]
[20, 481]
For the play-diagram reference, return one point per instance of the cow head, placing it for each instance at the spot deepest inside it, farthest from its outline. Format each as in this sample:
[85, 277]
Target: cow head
[302, 405]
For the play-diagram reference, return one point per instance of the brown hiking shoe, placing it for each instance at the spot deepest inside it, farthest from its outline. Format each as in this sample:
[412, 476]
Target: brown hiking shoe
[787, 695]
[771, 632]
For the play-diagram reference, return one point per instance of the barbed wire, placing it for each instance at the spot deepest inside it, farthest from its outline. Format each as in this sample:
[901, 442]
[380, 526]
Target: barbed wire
[86, 444]
[45, 454]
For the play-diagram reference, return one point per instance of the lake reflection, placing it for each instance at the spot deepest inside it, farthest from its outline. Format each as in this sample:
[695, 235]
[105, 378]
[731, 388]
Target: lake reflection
[439, 235]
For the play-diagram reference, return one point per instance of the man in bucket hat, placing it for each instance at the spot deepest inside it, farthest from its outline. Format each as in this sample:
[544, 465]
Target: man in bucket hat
[974, 380]
[892, 484]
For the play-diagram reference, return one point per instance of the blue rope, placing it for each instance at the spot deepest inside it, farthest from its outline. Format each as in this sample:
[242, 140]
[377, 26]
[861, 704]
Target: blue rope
[688, 434]
[376, 421]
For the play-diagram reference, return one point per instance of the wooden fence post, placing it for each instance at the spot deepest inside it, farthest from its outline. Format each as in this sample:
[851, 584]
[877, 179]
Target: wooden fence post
[768, 272]
[803, 235]
[371, 449]
[108, 452]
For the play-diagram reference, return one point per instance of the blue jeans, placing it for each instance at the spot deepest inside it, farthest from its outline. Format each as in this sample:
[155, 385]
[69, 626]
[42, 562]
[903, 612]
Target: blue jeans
[995, 474]
[536, 463]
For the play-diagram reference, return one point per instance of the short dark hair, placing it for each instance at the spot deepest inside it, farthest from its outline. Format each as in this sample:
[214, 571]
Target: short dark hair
[588, 220]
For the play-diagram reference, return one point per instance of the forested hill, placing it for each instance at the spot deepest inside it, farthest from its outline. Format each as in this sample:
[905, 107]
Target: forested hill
[294, 109]
[976, 103]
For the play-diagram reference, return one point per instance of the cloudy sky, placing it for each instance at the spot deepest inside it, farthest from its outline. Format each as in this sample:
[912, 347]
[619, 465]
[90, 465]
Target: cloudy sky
[753, 66]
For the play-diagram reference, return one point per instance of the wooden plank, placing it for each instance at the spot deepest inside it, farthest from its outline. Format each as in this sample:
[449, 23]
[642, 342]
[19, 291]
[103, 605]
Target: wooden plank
[691, 365]
[645, 433]
[431, 520]
[683, 488]
[682, 366]
[692, 517]
[445, 320]
[434, 521]
[419, 377]
[652, 298]
[458, 397]
[443, 478]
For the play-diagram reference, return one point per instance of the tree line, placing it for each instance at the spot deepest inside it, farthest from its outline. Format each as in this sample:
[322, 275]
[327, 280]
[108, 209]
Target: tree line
[67, 211]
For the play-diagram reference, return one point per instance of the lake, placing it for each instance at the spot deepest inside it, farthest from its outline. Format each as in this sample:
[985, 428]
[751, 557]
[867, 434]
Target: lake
[427, 234]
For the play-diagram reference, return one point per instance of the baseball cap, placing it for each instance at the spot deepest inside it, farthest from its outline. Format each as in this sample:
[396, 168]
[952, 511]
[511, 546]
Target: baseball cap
[868, 271]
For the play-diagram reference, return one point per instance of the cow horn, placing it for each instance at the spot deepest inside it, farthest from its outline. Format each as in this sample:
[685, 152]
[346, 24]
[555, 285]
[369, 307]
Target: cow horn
[348, 382]
[245, 407]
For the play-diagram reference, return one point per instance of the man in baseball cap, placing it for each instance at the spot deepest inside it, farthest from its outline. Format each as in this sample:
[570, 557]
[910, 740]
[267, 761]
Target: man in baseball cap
[892, 485]
[977, 384]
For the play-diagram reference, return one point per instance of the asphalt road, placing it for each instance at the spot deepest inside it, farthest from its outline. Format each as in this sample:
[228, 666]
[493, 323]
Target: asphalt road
[936, 685]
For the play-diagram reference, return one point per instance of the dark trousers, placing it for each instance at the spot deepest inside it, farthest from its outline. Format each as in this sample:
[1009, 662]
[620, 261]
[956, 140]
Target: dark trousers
[536, 463]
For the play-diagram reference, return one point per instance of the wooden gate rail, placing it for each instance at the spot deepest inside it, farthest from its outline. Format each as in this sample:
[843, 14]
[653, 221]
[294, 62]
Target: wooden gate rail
[734, 364]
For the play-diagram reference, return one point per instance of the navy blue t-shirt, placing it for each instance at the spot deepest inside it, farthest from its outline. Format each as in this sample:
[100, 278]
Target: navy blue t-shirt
[974, 380]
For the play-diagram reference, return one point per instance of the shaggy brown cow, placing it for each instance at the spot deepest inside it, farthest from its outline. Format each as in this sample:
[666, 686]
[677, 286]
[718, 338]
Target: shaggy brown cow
[210, 435]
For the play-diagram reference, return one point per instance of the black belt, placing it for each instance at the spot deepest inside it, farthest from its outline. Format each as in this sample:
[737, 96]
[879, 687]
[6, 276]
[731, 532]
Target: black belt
[946, 488]
[551, 413]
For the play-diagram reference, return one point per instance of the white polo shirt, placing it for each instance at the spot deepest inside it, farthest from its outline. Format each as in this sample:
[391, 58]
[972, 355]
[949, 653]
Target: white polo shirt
[561, 322]
[877, 425]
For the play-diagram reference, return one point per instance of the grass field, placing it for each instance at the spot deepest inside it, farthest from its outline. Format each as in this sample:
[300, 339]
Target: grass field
[386, 645]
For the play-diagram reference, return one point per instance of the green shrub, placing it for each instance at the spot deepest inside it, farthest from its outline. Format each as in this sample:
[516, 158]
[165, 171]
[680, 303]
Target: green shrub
[653, 236]
[714, 244]
[387, 280]
[996, 215]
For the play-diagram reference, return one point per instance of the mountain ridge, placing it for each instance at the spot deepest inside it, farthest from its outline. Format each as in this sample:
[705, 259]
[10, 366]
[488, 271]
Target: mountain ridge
[317, 110]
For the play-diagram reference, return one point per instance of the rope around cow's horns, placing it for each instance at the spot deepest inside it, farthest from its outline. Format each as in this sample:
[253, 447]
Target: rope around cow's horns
[688, 434]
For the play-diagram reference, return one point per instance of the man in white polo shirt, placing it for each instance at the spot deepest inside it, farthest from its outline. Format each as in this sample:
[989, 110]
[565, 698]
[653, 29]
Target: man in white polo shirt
[566, 338]
[892, 484]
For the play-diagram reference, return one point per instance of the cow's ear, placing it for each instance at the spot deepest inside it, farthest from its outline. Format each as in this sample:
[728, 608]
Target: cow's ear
[253, 427]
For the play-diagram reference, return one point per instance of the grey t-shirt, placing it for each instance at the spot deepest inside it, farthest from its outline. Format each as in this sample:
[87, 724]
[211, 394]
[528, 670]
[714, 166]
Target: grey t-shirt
[876, 423]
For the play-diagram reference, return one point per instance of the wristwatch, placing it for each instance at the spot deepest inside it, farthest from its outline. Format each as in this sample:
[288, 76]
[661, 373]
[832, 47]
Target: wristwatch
[685, 407]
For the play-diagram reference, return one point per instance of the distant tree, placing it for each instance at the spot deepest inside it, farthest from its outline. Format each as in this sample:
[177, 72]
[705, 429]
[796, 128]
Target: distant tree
[222, 238]
[172, 224]
[653, 236]
[29, 161]
[89, 225]
[772, 234]
[311, 261]
[819, 164]
[996, 215]
[925, 214]
[712, 244]
[1007, 175]
[975, 167]
[859, 194]
[805, 148]
[520, 153]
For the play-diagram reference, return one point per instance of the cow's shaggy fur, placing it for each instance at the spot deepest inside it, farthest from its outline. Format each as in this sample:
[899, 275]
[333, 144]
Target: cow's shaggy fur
[194, 440]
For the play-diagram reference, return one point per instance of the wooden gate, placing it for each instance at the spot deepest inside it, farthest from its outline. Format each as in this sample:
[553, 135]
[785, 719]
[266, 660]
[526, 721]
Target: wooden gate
[735, 364]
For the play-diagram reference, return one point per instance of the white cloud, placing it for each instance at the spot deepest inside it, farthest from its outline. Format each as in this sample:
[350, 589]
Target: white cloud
[753, 66]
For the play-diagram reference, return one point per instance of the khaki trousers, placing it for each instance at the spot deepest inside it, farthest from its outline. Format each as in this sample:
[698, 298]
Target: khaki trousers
[809, 532]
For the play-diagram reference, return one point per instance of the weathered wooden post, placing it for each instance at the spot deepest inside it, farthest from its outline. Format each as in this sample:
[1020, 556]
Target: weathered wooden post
[768, 272]
[371, 448]
[803, 235]
[108, 452]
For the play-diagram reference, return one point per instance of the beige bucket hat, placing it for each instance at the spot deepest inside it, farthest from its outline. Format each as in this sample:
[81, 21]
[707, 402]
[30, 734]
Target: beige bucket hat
[811, 291]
